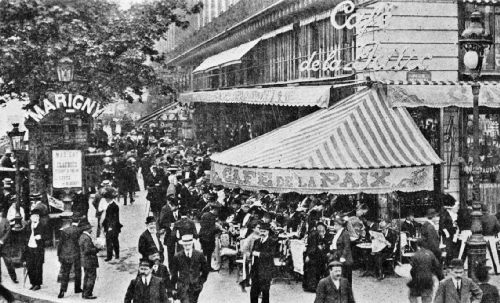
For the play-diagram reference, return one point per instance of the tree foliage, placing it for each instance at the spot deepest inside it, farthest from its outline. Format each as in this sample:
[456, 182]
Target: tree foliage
[108, 46]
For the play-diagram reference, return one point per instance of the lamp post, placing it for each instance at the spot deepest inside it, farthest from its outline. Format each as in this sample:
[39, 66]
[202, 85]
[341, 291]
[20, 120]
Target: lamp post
[16, 140]
[474, 41]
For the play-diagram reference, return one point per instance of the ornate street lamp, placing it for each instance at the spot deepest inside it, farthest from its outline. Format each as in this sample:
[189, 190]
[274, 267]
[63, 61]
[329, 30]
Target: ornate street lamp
[474, 41]
[65, 68]
[16, 140]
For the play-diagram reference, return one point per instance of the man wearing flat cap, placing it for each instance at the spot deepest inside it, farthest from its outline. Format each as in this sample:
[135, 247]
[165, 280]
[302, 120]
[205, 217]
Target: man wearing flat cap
[68, 252]
[146, 287]
[89, 261]
[334, 288]
[263, 253]
[150, 240]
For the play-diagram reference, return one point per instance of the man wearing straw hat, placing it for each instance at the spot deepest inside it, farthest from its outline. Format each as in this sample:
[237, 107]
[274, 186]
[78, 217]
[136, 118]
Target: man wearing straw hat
[189, 271]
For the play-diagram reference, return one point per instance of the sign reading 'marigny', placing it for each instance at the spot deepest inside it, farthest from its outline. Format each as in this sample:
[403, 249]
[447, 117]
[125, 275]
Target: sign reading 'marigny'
[68, 101]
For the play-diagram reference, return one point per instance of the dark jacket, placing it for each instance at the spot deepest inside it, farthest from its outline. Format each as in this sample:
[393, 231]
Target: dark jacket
[137, 292]
[327, 292]
[147, 246]
[410, 227]
[189, 272]
[263, 265]
[491, 226]
[155, 198]
[163, 273]
[112, 219]
[423, 265]
[430, 239]
[207, 227]
[166, 220]
[490, 293]
[317, 247]
[464, 218]
[68, 248]
[391, 237]
[447, 292]
[4, 232]
[39, 230]
[446, 223]
[343, 248]
[88, 252]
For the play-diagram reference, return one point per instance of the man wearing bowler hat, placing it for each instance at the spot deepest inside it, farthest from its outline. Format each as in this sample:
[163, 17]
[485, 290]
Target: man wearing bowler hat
[68, 252]
[150, 240]
[334, 288]
[457, 288]
[189, 271]
[89, 261]
[111, 224]
[146, 287]
[263, 253]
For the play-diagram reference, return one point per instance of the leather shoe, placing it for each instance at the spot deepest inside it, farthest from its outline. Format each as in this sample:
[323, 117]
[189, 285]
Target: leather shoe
[32, 286]
[15, 281]
[89, 297]
[381, 277]
[107, 259]
[61, 294]
[37, 287]
[77, 291]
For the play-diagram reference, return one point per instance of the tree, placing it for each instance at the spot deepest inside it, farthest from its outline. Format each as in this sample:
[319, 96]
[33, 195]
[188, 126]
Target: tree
[108, 46]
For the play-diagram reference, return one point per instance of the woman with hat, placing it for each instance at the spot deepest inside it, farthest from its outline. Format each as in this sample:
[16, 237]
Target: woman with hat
[318, 243]
[340, 249]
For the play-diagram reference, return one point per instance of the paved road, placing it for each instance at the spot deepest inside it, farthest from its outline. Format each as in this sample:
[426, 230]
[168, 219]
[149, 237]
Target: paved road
[114, 277]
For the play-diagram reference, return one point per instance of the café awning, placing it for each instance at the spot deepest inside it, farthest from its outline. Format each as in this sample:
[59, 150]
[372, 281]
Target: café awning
[284, 96]
[359, 144]
[228, 57]
[441, 94]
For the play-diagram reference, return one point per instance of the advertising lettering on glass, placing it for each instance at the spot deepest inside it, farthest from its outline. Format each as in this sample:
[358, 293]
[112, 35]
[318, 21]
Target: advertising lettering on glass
[369, 56]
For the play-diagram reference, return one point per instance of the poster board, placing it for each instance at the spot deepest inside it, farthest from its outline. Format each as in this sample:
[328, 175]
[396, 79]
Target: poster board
[66, 168]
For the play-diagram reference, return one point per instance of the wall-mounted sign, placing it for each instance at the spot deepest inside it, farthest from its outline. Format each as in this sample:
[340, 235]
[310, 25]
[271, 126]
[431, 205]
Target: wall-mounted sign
[378, 17]
[66, 168]
[68, 101]
[368, 58]
[418, 75]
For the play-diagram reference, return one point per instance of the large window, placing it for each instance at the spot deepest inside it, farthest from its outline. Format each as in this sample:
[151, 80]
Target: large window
[278, 59]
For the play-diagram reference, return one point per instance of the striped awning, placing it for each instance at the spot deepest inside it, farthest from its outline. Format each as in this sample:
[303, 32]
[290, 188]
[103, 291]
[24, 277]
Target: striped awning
[482, 1]
[358, 145]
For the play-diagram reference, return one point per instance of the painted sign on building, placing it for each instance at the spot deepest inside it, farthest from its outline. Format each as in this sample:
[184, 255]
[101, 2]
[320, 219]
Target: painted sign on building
[66, 168]
[71, 102]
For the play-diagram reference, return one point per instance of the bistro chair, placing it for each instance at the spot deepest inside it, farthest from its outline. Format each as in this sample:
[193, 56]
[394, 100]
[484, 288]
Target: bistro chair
[391, 260]
[405, 247]
[228, 250]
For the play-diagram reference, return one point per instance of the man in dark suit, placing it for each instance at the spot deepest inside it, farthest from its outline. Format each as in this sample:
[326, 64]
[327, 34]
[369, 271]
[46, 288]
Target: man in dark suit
[409, 225]
[168, 216]
[184, 226]
[150, 241]
[424, 266]
[430, 237]
[340, 249]
[208, 231]
[156, 201]
[146, 288]
[35, 250]
[457, 288]
[263, 253]
[491, 228]
[68, 252]
[5, 247]
[185, 197]
[189, 271]
[111, 224]
[334, 288]
[447, 230]
[391, 238]
[161, 271]
[89, 261]
[318, 244]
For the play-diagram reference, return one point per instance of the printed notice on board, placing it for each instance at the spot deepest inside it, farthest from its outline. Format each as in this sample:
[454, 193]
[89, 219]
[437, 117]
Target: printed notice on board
[66, 168]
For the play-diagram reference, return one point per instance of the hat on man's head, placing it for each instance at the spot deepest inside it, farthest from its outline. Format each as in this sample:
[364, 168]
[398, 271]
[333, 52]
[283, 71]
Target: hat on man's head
[334, 264]
[35, 211]
[154, 255]
[85, 226]
[109, 193]
[186, 239]
[35, 196]
[146, 262]
[431, 213]
[106, 183]
[150, 219]
[265, 226]
[321, 223]
[456, 263]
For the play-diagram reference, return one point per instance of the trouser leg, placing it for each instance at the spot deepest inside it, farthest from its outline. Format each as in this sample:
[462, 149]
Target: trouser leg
[90, 275]
[255, 291]
[78, 274]
[65, 270]
[109, 245]
[10, 267]
[116, 245]
[193, 296]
